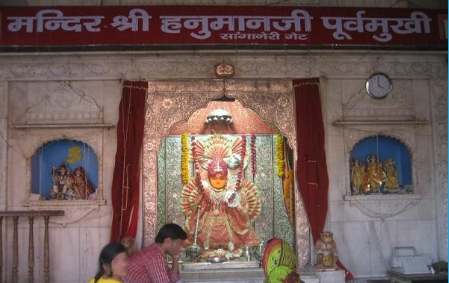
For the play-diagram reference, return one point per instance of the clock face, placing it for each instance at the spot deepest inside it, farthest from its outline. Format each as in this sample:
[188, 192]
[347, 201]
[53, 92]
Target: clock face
[378, 86]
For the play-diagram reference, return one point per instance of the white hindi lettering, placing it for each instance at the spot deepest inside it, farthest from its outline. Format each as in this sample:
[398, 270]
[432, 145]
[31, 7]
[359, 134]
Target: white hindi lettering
[337, 25]
[171, 24]
[227, 36]
[267, 36]
[174, 24]
[253, 22]
[251, 36]
[194, 22]
[93, 25]
[202, 25]
[295, 36]
[295, 20]
[220, 21]
[136, 16]
[18, 22]
[360, 24]
[372, 26]
[54, 20]
[382, 29]
[412, 25]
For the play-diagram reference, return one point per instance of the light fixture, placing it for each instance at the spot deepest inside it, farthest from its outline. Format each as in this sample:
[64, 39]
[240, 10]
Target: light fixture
[219, 116]
[224, 97]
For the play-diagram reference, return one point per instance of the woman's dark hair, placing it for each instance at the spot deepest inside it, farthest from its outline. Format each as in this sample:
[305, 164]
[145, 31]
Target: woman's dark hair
[172, 231]
[108, 253]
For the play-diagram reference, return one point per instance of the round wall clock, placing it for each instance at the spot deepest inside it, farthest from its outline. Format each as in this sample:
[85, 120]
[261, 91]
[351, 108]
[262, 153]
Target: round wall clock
[378, 85]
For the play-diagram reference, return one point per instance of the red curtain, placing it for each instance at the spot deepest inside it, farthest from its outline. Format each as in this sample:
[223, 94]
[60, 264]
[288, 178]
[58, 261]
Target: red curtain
[126, 179]
[311, 166]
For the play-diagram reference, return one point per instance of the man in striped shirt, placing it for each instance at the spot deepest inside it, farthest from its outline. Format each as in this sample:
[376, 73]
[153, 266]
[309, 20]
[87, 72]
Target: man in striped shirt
[149, 265]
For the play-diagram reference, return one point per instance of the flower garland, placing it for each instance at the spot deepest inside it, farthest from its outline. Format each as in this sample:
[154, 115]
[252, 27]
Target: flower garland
[196, 166]
[253, 155]
[280, 155]
[185, 174]
[288, 195]
[242, 165]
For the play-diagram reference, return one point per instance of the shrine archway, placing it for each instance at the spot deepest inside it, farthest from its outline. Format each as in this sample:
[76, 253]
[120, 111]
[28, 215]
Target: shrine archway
[170, 103]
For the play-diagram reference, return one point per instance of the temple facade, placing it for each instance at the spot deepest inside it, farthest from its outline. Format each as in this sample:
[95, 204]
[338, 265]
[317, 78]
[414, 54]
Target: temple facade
[66, 98]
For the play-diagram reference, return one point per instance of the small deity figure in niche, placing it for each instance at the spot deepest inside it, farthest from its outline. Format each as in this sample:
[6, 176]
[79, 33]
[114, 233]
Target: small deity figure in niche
[374, 175]
[357, 171]
[392, 179]
[326, 251]
[229, 203]
[62, 181]
[81, 185]
[70, 186]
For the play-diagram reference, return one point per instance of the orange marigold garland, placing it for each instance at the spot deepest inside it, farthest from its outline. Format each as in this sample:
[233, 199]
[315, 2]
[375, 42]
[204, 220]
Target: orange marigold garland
[196, 166]
[280, 155]
[288, 195]
[185, 174]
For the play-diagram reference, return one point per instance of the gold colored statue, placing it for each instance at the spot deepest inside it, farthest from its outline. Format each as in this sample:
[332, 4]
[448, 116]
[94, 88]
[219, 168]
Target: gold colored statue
[374, 176]
[357, 172]
[392, 177]
[229, 203]
[326, 251]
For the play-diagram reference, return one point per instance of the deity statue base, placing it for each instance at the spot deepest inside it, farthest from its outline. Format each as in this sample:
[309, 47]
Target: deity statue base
[331, 276]
[237, 264]
[318, 268]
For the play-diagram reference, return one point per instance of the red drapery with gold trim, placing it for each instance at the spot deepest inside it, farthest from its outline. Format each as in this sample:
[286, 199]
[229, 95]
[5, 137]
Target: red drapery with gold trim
[126, 179]
[311, 167]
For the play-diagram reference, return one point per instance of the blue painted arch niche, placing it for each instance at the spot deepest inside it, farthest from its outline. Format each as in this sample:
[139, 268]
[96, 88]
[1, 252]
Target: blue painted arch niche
[52, 154]
[387, 147]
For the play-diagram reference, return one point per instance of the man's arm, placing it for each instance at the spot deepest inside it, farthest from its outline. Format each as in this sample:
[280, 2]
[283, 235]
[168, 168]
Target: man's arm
[159, 271]
[174, 271]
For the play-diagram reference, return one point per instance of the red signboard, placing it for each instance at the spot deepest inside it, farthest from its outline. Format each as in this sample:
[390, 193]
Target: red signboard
[160, 27]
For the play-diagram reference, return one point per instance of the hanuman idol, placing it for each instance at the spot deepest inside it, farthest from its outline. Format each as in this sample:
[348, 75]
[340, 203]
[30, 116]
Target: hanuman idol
[227, 203]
